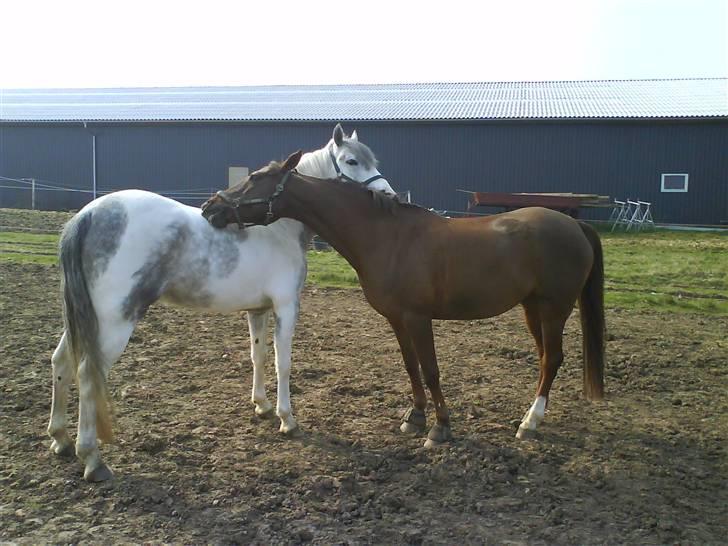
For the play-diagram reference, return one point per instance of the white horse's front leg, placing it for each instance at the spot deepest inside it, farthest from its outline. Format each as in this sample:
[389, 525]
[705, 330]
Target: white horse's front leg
[258, 328]
[533, 417]
[285, 323]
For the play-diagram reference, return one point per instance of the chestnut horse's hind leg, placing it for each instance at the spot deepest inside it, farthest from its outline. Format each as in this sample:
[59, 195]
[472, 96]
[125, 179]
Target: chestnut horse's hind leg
[258, 328]
[414, 421]
[552, 329]
[64, 371]
[421, 332]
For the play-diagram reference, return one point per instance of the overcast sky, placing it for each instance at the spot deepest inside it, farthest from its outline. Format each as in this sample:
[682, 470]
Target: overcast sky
[79, 43]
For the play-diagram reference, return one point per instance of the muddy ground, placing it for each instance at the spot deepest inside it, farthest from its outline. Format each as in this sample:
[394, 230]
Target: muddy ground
[194, 465]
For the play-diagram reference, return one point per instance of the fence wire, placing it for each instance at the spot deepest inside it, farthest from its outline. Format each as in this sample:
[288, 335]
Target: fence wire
[41, 185]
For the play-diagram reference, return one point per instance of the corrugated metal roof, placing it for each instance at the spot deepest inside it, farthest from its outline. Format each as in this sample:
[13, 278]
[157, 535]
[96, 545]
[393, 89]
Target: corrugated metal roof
[674, 98]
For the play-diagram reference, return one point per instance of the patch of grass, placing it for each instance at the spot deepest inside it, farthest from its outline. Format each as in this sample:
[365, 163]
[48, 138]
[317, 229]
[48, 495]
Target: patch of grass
[328, 268]
[661, 270]
[21, 258]
[667, 270]
[23, 237]
[21, 247]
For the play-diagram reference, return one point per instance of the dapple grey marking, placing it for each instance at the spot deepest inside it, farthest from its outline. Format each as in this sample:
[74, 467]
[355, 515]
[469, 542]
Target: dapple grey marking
[152, 276]
[222, 248]
[169, 277]
[218, 256]
[102, 242]
[305, 237]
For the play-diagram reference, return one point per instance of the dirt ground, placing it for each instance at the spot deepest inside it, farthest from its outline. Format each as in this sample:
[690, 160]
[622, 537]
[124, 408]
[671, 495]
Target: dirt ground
[194, 465]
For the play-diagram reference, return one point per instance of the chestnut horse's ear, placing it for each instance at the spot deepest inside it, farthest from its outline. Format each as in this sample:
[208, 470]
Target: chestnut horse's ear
[292, 161]
[338, 135]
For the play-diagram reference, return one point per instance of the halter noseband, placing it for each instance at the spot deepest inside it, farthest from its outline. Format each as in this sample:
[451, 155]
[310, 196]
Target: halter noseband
[346, 177]
[236, 203]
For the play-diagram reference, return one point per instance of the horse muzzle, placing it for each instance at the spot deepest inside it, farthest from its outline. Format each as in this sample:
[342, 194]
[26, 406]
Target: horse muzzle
[219, 215]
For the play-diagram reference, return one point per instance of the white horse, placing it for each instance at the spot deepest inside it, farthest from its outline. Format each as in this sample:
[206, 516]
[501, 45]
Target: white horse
[127, 250]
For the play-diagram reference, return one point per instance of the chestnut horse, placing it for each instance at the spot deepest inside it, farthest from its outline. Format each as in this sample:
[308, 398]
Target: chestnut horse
[415, 266]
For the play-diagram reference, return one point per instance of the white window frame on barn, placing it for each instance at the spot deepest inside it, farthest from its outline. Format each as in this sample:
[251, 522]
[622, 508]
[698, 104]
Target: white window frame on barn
[236, 175]
[684, 189]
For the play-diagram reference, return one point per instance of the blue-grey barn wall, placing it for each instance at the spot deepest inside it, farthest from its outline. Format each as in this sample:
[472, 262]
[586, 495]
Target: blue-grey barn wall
[620, 159]
[54, 154]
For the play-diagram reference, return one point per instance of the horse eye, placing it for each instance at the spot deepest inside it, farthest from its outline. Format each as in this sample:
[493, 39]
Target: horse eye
[352, 162]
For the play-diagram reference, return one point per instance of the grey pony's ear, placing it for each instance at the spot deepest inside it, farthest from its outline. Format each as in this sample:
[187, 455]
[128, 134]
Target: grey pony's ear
[338, 135]
[292, 161]
[354, 136]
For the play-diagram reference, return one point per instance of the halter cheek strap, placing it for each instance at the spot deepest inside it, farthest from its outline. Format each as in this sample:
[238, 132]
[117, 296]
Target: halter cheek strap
[235, 204]
[344, 176]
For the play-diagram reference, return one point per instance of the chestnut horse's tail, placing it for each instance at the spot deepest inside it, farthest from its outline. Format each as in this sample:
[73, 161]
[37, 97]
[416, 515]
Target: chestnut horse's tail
[79, 317]
[591, 306]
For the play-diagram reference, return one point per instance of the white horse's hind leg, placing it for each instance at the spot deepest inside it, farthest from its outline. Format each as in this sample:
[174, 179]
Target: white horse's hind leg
[64, 371]
[258, 328]
[113, 341]
[533, 417]
[285, 324]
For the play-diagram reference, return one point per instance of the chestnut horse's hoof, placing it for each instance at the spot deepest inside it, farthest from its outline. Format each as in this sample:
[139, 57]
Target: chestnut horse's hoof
[413, 421]
[439, 435]
[99, 474]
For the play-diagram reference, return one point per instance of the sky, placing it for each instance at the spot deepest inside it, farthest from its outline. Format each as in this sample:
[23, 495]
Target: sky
[150, 43]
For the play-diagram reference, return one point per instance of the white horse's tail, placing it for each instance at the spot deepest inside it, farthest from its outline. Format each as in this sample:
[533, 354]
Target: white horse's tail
[79, 317]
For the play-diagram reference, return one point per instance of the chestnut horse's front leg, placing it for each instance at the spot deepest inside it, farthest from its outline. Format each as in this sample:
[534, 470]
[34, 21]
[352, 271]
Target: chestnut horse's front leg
[420, 330]
[414, 421]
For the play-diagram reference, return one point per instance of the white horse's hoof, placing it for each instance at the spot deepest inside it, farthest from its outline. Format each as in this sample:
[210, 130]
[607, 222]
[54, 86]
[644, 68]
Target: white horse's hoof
[525, 433]
[101, 473]
[62, 450]
[292, 432]
[264, 410]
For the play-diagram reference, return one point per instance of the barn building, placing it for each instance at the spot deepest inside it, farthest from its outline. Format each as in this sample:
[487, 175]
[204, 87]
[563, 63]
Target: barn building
[662, 141]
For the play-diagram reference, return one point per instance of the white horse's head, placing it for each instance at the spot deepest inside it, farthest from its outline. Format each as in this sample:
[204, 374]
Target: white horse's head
[353, 160]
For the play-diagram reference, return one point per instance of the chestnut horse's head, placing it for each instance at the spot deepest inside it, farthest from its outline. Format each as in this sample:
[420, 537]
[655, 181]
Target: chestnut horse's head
[252, 201]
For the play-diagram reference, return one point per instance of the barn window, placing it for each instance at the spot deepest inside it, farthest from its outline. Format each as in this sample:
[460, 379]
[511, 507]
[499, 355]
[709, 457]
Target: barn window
[236, 175]
[674, 183]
